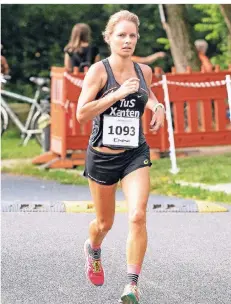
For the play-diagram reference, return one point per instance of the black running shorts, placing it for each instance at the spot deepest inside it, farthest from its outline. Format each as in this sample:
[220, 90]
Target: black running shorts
[108, 169]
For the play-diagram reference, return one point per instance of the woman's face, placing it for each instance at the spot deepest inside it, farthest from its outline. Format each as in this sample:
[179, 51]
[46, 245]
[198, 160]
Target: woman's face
[123, 38]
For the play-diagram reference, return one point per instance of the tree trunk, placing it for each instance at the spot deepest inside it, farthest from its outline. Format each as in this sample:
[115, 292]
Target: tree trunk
[179, 35]
[226, 12]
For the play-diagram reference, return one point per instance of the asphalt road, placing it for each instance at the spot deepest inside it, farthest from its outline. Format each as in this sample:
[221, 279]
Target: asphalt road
[187, 261]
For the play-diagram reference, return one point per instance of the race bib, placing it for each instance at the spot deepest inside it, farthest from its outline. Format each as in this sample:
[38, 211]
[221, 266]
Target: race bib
[120, 131]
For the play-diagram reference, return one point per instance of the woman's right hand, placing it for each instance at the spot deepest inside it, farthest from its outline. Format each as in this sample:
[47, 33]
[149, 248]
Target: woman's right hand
[129, 86]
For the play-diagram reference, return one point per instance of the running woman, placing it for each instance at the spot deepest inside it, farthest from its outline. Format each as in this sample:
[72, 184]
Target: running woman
[115, 93]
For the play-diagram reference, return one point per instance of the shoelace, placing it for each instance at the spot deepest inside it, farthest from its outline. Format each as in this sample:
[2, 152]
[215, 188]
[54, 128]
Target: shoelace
[135, 290]
[96, 266]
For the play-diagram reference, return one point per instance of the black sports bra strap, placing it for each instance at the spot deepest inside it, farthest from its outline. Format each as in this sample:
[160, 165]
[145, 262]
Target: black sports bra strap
[110, 76]
[141, 76]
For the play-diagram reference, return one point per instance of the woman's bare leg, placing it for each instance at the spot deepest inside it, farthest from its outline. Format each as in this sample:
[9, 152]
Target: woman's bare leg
[104, 200]
[136, 187]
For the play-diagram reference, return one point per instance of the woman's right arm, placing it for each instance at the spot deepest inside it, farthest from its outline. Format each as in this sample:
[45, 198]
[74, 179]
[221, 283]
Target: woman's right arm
[97, 58]
[94, 80]
[148, 59]
[97, 55]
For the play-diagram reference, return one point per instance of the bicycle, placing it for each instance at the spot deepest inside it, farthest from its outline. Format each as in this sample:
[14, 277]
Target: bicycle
[38, 107]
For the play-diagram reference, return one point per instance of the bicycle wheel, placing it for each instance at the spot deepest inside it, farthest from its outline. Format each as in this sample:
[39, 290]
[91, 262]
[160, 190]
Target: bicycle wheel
[34, 126]
[41, 121]
[4, 120]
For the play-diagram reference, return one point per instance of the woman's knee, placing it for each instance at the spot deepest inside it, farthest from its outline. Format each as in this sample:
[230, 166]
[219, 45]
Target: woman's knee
[104, 225]
[137, 217]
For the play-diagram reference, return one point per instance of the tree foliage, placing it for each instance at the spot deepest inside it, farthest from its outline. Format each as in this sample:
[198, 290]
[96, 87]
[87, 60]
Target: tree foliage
[34, 35]
[214, 28]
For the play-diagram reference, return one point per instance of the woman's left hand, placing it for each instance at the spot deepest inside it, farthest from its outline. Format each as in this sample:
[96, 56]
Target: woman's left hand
[157, 120]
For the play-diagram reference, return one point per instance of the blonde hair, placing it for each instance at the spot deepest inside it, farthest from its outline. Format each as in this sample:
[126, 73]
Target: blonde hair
[116, 18]
[81, 32]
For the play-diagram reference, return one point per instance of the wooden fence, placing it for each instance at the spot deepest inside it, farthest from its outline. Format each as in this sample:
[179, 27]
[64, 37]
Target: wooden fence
[199, 117]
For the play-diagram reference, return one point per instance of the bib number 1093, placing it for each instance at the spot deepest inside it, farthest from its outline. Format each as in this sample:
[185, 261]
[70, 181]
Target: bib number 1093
[120, 131]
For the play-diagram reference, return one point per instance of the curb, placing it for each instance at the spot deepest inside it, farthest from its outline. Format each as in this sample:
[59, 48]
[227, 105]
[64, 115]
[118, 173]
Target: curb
[121, 207]
[206, 207]
[88, 206]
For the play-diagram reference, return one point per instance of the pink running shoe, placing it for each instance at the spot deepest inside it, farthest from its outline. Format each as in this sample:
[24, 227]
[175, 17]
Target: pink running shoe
[93, 267]
[130, 295]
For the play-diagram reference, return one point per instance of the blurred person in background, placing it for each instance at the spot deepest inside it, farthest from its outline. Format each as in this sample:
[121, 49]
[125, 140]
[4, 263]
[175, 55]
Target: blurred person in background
[79, 52]
[4, 65]
[202, 47]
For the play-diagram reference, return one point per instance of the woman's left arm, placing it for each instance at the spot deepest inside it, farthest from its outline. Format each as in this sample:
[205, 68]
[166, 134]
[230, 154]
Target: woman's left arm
[158, 111]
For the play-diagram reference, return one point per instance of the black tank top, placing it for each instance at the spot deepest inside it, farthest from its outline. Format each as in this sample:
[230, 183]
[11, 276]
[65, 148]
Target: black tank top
[131, 106]
[85, 57]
